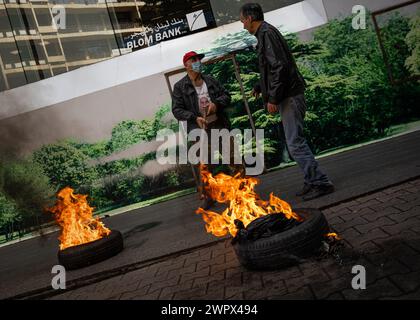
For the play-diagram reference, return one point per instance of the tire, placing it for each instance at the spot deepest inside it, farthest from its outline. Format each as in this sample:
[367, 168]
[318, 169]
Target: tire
[93, 252]
[285, 248]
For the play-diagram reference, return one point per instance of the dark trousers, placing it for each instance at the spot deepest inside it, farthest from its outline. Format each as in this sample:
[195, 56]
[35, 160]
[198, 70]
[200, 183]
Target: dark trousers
[292, 111]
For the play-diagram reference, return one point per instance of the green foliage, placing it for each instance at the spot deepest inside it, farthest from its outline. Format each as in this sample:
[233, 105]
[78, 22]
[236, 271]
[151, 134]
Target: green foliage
[122, 189]
[130, 132]
[348, 88]
[394, 35]
[92, 150]
[164, 120]
[8, 212]
[73, 163]
[24, 194]
[263, 119]
[122, 166]
[65, 165]
[25, 183]
[413, 43]
[132, 187]
[172, 178]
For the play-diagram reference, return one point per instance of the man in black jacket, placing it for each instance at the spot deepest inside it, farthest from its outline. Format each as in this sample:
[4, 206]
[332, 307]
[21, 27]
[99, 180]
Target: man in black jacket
[199, 100]
[282, 88]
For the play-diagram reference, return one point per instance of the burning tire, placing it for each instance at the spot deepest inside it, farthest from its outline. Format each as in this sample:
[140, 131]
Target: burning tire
[92, 252]
[285, 248]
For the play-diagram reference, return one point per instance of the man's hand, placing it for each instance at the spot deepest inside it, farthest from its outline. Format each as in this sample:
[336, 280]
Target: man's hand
[255, 94]
[272, 108]
[212, 108]
[202, 123]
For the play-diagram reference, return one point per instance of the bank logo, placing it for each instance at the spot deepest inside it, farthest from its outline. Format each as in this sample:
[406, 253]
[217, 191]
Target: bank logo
[196, 20]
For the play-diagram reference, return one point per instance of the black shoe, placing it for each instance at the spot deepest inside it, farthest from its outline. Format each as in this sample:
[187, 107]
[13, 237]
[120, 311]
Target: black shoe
[207, 203]
[319, 191]
[306, 188]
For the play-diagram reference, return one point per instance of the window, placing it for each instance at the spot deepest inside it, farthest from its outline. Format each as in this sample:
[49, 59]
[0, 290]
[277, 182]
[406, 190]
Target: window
[227, 11]
[32, 50]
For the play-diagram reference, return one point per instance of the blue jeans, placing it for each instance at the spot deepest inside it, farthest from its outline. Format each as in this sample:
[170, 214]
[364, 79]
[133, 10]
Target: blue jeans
[292, 111]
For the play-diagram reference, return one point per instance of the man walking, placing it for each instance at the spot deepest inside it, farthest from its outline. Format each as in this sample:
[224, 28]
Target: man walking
[282, 88]
[200, 99]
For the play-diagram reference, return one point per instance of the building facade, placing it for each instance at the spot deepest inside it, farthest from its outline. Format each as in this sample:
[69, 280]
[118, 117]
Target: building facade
[40, 39]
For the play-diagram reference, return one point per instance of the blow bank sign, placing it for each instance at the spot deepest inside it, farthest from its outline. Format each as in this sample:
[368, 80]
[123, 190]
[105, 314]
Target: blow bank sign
[168, 29]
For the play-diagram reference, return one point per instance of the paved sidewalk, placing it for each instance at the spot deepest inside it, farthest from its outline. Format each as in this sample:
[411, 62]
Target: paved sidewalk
[380, 231]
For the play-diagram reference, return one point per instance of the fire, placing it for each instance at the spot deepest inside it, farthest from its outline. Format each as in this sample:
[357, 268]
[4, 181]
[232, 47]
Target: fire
[333, 235]
[74, 215]
[243, 203]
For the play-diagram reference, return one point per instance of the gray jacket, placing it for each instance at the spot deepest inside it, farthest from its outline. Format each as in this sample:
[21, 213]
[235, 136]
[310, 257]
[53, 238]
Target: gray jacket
[185, 100]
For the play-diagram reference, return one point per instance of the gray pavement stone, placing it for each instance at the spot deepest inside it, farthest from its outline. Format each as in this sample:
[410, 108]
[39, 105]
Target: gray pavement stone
[376, 233]
[357, 221]
[206, 279]
[310, 276]
[169, 292]
[405, 215]
[164, 284]
[408, 205]
[303, 293]
[368, 204]
[204, 272]
[325, 289]
[375, 215]
[398, 228]
[381, 222]
[382, 288]
[281, 275]
[409, 282]
[275, 289]
[238, 296]
[134, 295]
[335, 296]
[190, 294]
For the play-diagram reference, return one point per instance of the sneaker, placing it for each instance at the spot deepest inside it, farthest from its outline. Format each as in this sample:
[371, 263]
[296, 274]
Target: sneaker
[207, 203]
[319, 191]
[306, 188]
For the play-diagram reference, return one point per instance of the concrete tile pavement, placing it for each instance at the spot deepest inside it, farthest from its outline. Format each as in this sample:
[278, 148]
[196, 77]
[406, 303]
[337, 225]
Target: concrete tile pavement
[381, 231]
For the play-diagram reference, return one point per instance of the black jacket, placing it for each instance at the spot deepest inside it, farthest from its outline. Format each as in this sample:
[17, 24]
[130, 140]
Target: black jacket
[280, 77]
[185, 100]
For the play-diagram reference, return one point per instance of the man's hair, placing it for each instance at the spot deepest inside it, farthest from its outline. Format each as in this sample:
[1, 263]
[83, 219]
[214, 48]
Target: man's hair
[253, 10]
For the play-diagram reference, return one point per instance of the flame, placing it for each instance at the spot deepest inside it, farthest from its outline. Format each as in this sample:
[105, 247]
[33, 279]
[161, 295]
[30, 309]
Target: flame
[333, 235]
[74, 216]
[243, 202]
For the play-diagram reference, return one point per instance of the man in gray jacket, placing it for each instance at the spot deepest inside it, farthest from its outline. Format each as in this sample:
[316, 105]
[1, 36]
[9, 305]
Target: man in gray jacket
[282, 88]
[199, 100]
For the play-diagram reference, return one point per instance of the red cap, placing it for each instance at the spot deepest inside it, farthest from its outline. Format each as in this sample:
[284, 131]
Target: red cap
[191, 54]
